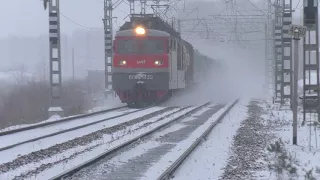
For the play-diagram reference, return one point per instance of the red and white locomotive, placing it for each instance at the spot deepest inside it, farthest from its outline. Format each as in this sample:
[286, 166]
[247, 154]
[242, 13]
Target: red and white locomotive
[151, 61]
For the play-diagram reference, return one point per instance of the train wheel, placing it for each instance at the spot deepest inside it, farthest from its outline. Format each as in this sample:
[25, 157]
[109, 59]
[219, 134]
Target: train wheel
[130, 105]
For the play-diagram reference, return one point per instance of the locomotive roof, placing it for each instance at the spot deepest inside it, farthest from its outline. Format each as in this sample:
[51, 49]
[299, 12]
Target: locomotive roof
[149, 32]
[150, 21]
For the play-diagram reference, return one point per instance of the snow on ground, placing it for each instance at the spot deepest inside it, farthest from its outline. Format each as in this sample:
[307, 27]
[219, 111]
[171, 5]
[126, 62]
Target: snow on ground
[251, 155]
[23, 149]
[160, 143]
[108, 104]
[159, 167]
[56, 164]
[18, 137]
[52, 118]
[207, 160]
[57, 118]
[307, 158]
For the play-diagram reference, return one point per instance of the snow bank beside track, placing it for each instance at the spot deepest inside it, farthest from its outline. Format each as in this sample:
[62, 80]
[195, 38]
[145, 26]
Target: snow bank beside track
[207, 161]
[302, 160]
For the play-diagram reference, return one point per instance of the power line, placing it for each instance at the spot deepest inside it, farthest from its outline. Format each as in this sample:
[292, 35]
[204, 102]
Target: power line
[77, 23]
[256, 6]
[298, 4]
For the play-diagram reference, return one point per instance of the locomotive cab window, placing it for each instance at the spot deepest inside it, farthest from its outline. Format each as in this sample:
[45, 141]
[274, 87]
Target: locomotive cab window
[127, 46]
[153, 46]
[136, 46]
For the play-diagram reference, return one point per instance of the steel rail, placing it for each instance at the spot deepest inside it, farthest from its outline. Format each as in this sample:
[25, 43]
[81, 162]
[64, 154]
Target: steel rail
[62, 120]
[71, 129]
[72, 171]
[166, 175]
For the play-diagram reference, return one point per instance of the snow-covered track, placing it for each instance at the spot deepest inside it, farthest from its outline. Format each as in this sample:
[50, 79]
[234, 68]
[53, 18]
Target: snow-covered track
[166, 175]
[52, 153]
[188, 111]
[62, 120]
[23, 133]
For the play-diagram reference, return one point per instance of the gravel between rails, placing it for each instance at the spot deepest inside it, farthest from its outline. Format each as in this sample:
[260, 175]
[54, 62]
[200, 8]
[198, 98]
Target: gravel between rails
[249, 144]
[80, 141]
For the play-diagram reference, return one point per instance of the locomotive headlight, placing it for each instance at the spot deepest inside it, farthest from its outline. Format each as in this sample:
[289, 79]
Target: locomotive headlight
[158, 63]
[140, 31]
[123, 62]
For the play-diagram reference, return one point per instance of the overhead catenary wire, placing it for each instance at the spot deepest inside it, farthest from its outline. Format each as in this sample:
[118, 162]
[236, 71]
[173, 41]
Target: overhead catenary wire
[173, 2]
[227, 19]
[77, 22]
[298, 4]
[115, 5]
[256, 7]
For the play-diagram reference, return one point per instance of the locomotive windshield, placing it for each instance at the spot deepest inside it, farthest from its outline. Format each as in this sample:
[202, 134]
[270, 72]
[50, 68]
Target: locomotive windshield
[140, 46]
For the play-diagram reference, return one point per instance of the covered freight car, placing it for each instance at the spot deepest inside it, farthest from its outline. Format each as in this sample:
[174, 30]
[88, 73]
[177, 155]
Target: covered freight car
[201, 65]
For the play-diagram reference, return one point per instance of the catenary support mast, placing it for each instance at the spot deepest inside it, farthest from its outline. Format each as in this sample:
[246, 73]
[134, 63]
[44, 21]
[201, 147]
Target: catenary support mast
[278, 50]
[311, 59]
[55, 57]
[108, 41]
[270, 66]
[286, 88]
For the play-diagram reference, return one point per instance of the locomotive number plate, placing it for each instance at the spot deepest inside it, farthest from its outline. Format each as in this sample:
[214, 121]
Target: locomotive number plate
[140, 76]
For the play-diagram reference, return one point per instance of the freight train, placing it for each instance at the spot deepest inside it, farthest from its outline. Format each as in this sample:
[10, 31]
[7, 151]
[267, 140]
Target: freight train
[151, 61]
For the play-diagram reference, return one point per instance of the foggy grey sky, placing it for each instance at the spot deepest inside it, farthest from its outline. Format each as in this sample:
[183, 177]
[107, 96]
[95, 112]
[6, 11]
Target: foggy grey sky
[28, 18]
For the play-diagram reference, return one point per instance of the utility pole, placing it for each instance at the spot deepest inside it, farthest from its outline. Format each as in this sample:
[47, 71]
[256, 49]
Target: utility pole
[88, 55]
[266, 56]
[296, 39]
[73, 66]
[296, 31]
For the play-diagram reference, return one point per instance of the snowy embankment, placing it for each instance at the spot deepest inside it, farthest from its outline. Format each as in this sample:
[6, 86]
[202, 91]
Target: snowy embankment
[302, 160]
[109, 104]
[262, 148]
[207, 161]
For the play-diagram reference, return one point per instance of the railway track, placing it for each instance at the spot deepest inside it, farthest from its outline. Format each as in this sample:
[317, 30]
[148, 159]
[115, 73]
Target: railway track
[62, 120]
[180, 115]
[11, 139]
[166, 175]
[61, 151]
[32, 134]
